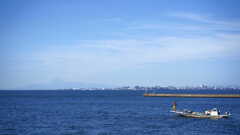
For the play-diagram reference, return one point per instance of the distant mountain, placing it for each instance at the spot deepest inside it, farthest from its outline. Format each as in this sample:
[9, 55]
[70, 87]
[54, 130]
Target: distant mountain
[58, 84]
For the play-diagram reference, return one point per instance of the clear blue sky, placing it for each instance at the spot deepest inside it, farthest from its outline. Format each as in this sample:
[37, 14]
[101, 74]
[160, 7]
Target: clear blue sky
[125, 42]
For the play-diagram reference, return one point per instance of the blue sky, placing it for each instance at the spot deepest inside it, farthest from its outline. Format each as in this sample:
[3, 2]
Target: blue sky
[127, 42]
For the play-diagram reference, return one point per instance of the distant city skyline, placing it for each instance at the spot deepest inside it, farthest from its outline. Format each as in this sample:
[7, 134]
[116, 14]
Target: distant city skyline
[119, 43]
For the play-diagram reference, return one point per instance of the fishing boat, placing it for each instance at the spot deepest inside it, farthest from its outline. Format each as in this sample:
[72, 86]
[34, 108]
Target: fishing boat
[213, 113]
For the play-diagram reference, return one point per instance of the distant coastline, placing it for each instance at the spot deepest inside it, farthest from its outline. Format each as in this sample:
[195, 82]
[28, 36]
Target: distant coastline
[202, 87]
[140, 88]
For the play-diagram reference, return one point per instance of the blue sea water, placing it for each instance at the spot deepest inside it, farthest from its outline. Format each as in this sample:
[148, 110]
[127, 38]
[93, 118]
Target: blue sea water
[111, 113]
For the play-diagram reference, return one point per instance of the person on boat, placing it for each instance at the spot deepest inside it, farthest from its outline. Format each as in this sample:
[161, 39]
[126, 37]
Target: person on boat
[174, 106]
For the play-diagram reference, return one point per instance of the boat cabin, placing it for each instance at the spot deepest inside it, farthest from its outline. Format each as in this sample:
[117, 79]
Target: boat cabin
[213, 112]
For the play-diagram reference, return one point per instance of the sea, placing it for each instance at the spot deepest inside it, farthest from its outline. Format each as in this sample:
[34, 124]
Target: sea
[109, 112]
